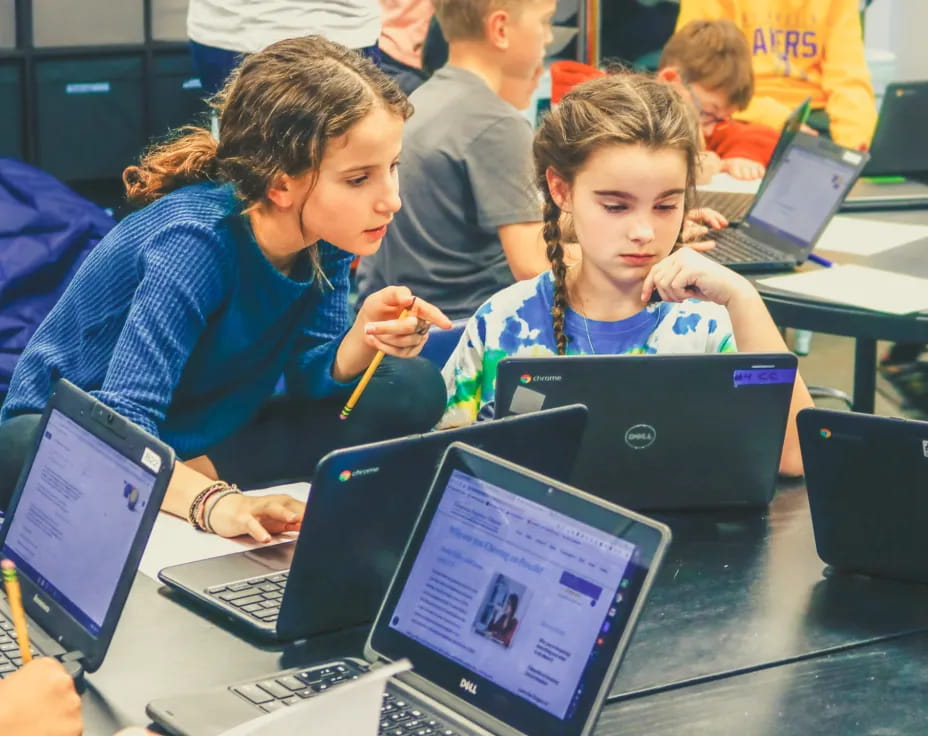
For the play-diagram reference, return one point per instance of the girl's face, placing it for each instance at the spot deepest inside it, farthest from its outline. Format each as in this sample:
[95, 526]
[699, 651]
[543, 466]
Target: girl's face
[627, 207]
[356, 192]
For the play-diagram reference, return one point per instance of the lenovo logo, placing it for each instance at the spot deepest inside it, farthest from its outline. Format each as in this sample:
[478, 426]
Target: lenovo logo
[40, 603]
[468, 686]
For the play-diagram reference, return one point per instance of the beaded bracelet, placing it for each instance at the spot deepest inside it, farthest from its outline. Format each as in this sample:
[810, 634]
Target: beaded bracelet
[193, 513]
[207, 519]
[213, 490]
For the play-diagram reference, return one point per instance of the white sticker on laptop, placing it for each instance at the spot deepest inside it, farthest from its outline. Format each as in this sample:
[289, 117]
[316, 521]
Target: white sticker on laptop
[852, 157]
[151, 460]
[525, 400]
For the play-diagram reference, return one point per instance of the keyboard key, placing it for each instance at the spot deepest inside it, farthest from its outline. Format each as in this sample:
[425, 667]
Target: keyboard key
[291, 700]
[253, 693]
[216, 589]
[281, 578]
[253, 607]
[233, 595]
[240, 602]
[278, 691]
[239, 586]
[290, 682]
[272, 706]
[268, 587]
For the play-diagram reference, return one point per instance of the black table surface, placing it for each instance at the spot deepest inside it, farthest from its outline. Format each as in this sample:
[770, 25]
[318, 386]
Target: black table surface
[742, 589]
[738, 591]
[876, 689]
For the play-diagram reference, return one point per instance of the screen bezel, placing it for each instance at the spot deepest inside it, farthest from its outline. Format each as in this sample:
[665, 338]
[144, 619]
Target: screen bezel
[496, 707]
[818, 146]
[130, 441]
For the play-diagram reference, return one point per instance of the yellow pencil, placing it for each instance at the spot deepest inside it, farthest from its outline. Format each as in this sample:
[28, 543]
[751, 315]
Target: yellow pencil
[15, 597]
[366, 378]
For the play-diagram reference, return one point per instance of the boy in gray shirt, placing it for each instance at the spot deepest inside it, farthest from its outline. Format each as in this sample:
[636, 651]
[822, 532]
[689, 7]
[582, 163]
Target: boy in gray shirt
[471, 217]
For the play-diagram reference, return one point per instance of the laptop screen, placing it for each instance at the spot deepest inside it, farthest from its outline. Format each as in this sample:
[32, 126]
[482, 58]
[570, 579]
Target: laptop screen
[801, 196]
[77, 517]
[525, 599]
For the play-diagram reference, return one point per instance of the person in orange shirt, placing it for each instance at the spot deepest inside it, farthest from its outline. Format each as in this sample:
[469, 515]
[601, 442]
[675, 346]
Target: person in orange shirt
[802, 48]
[709, 63]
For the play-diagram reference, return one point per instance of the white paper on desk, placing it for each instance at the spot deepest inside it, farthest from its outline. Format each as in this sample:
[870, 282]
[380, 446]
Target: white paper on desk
[173, 541]
[859, 286]
[351, 709]
[728, 183]
[861, 237]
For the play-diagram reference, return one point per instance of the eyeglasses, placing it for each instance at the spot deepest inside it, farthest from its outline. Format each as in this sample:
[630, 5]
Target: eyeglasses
[705, 117]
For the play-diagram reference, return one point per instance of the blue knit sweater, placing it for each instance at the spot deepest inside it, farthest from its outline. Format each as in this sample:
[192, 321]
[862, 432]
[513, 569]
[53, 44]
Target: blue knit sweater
[177, 321]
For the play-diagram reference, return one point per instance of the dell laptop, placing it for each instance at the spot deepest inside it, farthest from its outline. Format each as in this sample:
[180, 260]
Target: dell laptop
[735, 205]
[894, 178]
[515, 599]
[867, 478]
[361, 508]
[77, 525]
[665, 431]
[788, 217]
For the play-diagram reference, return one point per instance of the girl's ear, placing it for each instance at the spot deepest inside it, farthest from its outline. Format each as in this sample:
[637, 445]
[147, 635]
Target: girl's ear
[559, 188]
[282, 191]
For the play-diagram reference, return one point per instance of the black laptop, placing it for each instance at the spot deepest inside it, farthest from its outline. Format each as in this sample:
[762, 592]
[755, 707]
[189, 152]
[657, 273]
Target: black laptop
[77, 525]
[735, 205]
[360, 510]
[895, 177]
[665, 431]
[785, 221]
[867, 479]
[515, 599]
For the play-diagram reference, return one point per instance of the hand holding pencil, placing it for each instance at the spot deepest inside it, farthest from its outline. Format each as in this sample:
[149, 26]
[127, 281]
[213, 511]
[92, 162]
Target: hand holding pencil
[393, 322]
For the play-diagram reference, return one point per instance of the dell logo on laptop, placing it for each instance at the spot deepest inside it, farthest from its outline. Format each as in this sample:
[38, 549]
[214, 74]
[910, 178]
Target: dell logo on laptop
[40, 603]
[640, 436]
[468, 686]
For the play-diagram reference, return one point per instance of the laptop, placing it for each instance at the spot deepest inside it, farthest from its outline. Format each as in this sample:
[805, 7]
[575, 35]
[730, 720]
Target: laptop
[363, 503]
[77, 524]
[515, 599]
[788, 217]
[866, 477]
[895, 176]
[665, 431]
[735, 205]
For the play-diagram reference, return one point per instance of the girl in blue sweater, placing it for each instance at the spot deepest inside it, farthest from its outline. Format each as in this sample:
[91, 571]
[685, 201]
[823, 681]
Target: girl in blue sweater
[234, 273]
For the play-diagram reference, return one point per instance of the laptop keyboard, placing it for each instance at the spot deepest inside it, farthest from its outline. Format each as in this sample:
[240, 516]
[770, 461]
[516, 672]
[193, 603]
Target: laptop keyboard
[733, 246]
[10, 661]
[734, 205]
[400, 716]
[257, 598]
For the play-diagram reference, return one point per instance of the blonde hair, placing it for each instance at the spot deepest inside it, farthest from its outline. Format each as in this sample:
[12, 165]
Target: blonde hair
[462, 20]
[615, 109]
[715, 54]
[277, 113]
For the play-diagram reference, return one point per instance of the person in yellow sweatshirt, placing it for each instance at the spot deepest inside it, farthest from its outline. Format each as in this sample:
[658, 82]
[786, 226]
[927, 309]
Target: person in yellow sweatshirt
[802, 48]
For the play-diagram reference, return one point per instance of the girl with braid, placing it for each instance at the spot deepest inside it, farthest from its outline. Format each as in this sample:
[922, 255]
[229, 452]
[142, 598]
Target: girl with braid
[616, 163]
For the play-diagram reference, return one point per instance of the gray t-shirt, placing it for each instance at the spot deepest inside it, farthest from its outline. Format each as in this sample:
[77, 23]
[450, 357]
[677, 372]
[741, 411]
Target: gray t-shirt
[465, 171]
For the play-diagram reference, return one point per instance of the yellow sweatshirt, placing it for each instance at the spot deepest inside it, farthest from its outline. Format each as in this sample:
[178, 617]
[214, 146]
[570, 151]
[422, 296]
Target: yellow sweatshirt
[802, 48]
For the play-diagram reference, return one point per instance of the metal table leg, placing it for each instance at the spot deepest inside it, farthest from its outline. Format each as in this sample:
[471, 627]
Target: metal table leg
[864, 375]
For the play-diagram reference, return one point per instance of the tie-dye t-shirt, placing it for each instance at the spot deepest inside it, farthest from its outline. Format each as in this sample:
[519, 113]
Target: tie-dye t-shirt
[517, 322]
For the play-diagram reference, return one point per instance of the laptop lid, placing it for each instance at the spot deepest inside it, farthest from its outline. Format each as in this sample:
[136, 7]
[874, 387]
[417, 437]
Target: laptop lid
[364, 502]
[516, 596]
[657, 440]
[803, 194]
[80, 518]
[866, 478]
[899, 146]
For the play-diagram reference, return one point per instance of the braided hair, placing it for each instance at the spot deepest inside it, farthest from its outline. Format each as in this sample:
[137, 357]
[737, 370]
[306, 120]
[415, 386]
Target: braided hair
[623, 108]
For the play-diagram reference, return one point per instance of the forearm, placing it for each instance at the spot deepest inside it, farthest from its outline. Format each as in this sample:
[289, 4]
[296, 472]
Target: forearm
[185, 484]
[755, 332]
[353, 355]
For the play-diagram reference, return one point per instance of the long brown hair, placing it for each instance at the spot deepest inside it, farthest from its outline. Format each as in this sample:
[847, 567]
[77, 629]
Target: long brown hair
[277, 112]
[616, 109]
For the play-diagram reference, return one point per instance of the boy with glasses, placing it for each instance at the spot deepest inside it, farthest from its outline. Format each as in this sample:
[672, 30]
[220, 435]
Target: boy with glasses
[709, 63]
